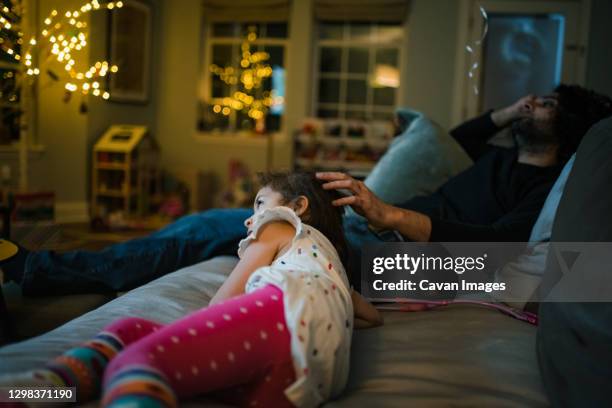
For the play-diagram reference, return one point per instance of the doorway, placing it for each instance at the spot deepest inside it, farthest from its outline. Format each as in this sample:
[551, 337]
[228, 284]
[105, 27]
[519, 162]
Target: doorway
[529, 48]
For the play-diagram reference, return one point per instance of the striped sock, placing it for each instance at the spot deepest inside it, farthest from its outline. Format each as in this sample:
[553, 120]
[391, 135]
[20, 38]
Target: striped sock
[138, 385]
[83, 367]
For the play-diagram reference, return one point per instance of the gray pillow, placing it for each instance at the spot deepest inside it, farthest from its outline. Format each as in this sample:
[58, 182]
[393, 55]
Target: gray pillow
[418, 161]
[524, 275]
[543, 227]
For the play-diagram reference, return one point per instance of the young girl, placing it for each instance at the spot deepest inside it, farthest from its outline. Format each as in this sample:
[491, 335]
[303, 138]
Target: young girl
[276, 334]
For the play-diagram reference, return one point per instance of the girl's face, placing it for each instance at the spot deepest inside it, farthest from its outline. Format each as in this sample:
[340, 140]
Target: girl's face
[266, 198]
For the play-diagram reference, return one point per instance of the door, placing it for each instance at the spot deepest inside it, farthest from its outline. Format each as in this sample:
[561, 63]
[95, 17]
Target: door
[529, 47]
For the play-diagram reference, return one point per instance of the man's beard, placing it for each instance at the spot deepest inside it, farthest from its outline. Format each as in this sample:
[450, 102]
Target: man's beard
[529, 137]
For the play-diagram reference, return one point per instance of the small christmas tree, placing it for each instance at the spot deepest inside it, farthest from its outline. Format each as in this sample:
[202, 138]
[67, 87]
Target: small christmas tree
[250, 98]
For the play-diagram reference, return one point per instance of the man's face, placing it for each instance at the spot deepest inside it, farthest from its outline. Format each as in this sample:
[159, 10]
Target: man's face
[536, 129]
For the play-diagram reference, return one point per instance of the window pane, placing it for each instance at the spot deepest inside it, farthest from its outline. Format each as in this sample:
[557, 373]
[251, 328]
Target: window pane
[382, 115]
[329, 90]
[243, 122]
[331, 31]
[10, 37]
[358, 60]
[327, 113]
[277, 54]
[273, 122]
[360, 31]
[219, 88]
[384, 96]
[278, 90]
[211, 120]
[387, 56]
[389, 33]
[245, 28]
[276, 30]
[9, 88]
[222, 55]
[356, 114]
[356, 91]
[331, 59]
[223, 30]
[9, 124]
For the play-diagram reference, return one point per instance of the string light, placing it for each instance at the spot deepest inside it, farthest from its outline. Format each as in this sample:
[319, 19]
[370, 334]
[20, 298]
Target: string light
[63, 34]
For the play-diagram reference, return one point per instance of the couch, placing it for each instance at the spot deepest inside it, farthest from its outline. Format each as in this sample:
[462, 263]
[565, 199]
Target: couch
[456, 356]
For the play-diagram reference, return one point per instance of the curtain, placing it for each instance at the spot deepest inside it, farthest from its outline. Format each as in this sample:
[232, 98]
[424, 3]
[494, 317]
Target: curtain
[246, 10]
[393, 11]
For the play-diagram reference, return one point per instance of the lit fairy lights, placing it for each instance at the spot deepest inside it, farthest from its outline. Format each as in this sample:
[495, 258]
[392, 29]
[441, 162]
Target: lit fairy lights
[55, 48]
[249, 78]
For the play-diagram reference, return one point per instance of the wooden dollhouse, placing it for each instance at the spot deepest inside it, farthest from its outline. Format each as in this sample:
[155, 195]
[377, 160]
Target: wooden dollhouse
[125, 175]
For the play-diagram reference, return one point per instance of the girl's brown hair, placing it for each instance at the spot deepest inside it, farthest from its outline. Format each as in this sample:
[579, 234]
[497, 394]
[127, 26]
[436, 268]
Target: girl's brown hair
[321, 214]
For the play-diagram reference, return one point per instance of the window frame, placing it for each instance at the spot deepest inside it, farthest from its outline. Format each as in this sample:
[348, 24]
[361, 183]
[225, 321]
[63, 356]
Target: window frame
[206, 97]
[345, 43]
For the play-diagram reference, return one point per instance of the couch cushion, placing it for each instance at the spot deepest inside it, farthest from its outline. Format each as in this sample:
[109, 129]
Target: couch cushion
[439, 357]
[574, 338]
[435, 358]
[417, 162]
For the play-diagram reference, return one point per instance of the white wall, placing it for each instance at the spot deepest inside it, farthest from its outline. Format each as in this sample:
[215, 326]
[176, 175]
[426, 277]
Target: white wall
[428, 81]
[62, 167]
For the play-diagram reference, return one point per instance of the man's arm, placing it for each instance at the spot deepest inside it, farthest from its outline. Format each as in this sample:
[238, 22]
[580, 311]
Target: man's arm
[474, 134]
[514, 226]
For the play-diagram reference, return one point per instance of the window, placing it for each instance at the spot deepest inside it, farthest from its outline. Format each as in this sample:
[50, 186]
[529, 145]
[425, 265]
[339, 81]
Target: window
[357, 70]
[224, 49]
[10, 72]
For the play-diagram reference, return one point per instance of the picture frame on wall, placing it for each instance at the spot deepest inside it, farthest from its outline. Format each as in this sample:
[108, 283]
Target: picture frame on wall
[130, 49]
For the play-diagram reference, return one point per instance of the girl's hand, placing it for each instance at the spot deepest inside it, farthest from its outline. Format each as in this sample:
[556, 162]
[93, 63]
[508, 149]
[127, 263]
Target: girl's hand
[366, 315]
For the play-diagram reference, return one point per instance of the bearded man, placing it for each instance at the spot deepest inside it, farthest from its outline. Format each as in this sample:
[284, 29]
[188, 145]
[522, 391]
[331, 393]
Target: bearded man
[500, 196]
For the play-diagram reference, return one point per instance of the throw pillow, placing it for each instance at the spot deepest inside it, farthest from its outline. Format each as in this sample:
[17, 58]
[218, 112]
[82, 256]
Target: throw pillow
[418, 161]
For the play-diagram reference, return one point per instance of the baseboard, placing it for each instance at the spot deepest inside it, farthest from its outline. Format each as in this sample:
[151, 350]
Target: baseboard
[71, 211]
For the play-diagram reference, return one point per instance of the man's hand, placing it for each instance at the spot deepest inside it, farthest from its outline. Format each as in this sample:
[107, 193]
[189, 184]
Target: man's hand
[522, 108]
[362, 200]
[411, 224]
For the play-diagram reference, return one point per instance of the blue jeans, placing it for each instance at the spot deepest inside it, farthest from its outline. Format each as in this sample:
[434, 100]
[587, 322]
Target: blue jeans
[189, 240]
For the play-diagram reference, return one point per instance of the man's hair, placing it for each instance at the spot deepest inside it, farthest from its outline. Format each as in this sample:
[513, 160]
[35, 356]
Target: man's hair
[578, 109]
[321, 214]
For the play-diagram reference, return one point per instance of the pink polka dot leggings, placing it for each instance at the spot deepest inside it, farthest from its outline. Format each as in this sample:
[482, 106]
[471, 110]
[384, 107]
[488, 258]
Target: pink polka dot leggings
[238, 350]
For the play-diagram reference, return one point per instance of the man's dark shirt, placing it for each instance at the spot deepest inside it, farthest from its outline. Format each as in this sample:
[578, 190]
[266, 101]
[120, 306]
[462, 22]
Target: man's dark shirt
[496, 199]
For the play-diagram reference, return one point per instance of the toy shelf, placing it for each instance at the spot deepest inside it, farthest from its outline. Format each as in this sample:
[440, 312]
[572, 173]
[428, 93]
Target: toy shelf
[125, 173]
[350, 146]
